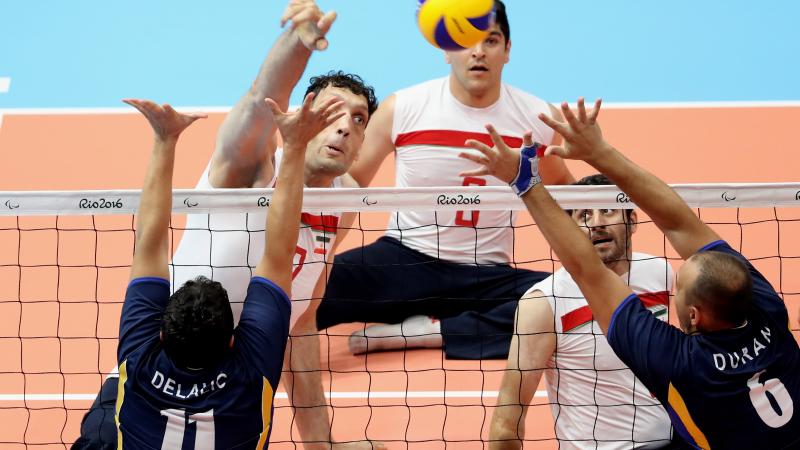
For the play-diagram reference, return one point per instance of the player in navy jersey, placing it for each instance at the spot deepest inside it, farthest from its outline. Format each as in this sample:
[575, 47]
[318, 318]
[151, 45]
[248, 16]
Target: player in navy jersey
[187, 378]
[730, 377]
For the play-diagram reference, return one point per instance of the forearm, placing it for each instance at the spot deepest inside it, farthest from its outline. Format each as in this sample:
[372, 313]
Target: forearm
[574, 250]
[284, 212]
[246, 132]
[307, 395]
[155, 206]
[665, 207]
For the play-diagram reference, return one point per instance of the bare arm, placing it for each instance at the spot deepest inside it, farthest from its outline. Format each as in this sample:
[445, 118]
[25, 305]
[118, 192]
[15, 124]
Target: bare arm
[283, 224]
[532, 345]
[304, 380]
[152, 221]
[603, 289]
[377, 143]
[584, 140]
[246, 139]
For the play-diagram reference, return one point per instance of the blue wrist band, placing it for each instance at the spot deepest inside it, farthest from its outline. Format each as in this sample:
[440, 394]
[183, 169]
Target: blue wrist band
[528, 174]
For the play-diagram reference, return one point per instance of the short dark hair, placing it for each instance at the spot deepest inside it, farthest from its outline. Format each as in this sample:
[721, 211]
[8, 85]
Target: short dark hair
[501, 19]
[198, 324]
[723, 285]
[349, 81]
[598, 179]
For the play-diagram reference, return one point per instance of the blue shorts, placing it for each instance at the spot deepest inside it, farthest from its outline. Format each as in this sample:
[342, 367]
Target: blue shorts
[98, 429]
[387, 282]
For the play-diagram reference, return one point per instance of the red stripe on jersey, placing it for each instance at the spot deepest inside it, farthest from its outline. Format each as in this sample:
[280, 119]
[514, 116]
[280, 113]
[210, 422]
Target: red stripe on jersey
[582, 315]
[328, 224]
[450, 138]
[319, 251]
[654, 298]
[576, 318]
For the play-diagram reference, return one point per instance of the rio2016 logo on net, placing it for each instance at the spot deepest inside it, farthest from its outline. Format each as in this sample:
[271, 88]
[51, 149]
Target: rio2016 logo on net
[797, 196]
[623, 198]
[262, 202]
[458, 200]
[100, 203]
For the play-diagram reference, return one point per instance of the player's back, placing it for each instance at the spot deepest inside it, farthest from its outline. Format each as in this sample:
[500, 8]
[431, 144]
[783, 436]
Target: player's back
[227, 405]
[163, 406]
[740, 387]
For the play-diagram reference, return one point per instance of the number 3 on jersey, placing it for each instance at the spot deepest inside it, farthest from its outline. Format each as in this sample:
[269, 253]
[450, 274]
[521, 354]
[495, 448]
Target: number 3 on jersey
[461, 221]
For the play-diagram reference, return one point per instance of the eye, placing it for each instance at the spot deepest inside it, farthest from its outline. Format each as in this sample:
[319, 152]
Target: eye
[359, 119]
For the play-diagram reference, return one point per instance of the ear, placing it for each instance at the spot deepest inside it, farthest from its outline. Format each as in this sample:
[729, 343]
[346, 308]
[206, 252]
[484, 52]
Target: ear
[447, 57]
[508, 51]
[633, 222]
[695, 317]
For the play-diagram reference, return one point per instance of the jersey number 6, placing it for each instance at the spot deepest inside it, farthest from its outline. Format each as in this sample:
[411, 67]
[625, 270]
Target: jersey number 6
[473, 215]
[764, 395]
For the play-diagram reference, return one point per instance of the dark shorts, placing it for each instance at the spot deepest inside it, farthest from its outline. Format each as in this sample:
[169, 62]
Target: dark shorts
[387, 282]
[98, 429]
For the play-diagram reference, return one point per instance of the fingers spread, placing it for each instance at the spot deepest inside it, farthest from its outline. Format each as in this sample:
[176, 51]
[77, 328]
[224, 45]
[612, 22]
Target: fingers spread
[480, 146]
[555, 150]
[273, 106]
[581, 110]
[474, 158]
[595, 111]
[496, 138]
[557, 126]
[475, 173]
[569, 116]
[326, 21]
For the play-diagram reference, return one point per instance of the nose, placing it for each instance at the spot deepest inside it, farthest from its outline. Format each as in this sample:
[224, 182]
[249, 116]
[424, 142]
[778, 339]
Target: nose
[597, 220]
[344, 125]
[478, 51]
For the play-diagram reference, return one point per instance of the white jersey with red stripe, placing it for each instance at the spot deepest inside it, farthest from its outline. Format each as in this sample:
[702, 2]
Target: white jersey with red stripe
[596, 400]
[429, 129]
[227, 247]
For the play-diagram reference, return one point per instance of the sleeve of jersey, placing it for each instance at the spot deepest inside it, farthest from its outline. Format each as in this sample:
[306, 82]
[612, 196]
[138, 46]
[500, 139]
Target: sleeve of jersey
[647, 345]
[764, 294]
[264, 327]
[145, 302]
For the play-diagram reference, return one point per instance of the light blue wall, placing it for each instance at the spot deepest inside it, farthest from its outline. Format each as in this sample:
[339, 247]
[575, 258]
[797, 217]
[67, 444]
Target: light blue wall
[90, 53]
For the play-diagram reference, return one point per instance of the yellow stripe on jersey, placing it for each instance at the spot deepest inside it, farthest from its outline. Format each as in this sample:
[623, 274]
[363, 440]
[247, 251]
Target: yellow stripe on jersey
[679, 406]
[123, 376]
[266, 412]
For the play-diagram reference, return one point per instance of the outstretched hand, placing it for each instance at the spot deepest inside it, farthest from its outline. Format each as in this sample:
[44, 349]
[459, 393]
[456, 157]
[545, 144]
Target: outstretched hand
[308, 21]
[166, 122]
[499, 161]
[583, 137]
[299, 127]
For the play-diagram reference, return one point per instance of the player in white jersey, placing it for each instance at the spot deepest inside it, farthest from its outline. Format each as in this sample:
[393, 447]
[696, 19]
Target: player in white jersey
[595, 399]
[225, 247]
[445, 253]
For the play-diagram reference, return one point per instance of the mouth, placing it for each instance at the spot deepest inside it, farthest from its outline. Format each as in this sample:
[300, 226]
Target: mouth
[601, 240]
[478, 68]
[332, 149]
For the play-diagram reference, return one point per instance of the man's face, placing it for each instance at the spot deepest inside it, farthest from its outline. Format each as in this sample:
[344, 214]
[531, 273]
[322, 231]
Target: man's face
[609, 230]
[334, 149]
[686, 276]
[479, 68]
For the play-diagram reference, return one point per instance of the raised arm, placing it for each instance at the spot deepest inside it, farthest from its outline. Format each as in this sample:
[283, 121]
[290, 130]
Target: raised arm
[377, 144]
[155, 207]
[246, 139]
[532, 345]
[584, 140]
[283, 224]
[552, 167]
[603, 289]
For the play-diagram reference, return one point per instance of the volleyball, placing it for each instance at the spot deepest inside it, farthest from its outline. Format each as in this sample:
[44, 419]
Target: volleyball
[455, 24]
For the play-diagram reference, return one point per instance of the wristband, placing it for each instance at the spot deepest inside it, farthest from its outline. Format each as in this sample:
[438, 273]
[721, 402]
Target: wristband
[528, 173]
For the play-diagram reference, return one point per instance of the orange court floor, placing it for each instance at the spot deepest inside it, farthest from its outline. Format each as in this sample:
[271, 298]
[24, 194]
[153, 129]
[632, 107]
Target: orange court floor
[61, 290]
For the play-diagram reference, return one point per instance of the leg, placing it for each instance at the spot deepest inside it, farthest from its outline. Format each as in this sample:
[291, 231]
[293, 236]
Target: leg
[372, 284]
[98, 429]
[487, 334]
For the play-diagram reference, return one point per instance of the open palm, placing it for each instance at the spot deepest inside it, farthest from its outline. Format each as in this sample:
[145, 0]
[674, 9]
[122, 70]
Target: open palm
[166, 122]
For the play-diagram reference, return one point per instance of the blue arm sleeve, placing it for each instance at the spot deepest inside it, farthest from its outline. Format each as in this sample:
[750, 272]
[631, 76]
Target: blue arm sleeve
[764, 295]
[647, 345]
[145, 302]
[264, 328]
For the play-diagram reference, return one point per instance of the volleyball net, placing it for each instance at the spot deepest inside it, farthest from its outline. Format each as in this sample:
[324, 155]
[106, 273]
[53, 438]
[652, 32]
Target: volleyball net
[65, 263]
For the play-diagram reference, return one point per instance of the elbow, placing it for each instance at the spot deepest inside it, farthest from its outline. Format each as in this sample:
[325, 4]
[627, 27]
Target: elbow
[505, 435]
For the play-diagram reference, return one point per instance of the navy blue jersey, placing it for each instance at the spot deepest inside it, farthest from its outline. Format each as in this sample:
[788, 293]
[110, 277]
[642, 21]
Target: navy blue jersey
[229, 406]
[737, 388]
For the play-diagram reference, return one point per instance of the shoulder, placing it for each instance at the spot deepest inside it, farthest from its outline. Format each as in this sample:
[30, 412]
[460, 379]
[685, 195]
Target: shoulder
[518, 94]
[425, 86]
